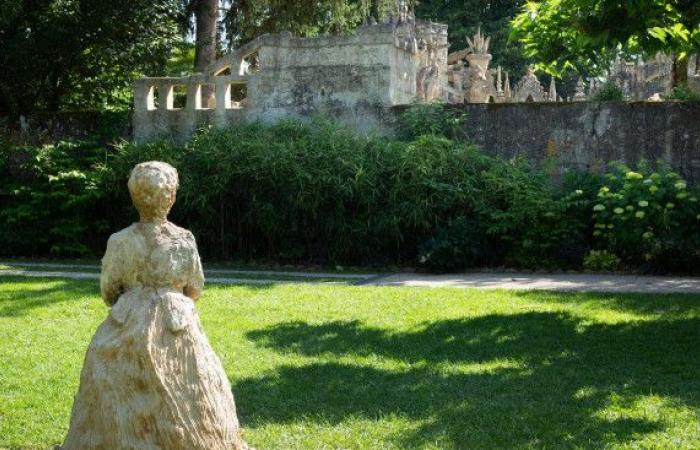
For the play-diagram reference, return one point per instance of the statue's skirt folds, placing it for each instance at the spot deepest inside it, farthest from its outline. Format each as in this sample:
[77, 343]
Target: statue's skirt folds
[152, 381]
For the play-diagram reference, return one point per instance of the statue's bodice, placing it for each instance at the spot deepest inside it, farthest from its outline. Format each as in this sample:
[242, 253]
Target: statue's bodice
[153, 256]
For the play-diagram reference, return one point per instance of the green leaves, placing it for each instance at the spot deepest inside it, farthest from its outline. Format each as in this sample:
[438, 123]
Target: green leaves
[49, 200]
[317, 192]
[80, 54]
[585, 34]
[648, 217]
[245, 20]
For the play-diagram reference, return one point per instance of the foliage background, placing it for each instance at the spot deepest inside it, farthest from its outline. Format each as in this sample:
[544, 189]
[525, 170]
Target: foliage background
[319, 193]
[81, 53]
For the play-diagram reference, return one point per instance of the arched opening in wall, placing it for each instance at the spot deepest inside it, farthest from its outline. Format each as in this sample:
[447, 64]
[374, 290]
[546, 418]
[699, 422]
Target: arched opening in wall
[152, 99]
[177, 97]
[237, 95]
[491, 99]
[224, 71]
[529, 99]
[206, 96]
[250, 63]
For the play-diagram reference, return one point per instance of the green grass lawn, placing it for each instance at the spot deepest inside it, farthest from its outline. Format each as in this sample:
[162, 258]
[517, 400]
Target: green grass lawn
[376, 368]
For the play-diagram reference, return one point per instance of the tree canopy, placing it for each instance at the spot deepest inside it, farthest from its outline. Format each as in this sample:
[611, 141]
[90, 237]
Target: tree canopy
[84, 54]
[81, 53]
[246, 19]
[585, 34]
[464, 17]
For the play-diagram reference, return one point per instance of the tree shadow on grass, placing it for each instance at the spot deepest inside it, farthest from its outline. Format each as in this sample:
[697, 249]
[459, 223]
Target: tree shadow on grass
[555, 374]
[658, 304]
[22, 296]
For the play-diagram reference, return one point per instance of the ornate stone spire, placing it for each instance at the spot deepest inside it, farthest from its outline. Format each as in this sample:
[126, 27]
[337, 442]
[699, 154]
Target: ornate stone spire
[479, 44]
[552, 96]
[580, 94]
[499, 82]
[405, 11]
[506, 89]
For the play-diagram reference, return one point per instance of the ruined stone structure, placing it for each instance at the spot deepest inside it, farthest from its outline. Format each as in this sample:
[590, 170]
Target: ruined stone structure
[641, 80]
[357, 78]
[351, 78]
[470, 80]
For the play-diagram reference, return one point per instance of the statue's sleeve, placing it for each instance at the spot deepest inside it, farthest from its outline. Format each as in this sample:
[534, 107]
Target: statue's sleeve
[110, 278]
[195, 282]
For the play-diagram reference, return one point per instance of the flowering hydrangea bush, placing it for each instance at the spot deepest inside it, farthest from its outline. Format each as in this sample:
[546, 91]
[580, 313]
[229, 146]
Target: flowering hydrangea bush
[648, 217]
[601, 260]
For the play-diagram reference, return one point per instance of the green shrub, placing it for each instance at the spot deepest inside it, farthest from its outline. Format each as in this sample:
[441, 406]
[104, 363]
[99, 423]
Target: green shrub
[458, 245]
[535, 224]
[601, 260]
[648, 218]
[434, 119]
[311, 192]
[50, 199]
[609, 92]
[318, 192]
[684, 94]
[520, 219]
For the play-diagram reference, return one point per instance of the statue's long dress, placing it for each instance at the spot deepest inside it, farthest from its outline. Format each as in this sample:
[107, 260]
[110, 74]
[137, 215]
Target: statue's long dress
[150, 379]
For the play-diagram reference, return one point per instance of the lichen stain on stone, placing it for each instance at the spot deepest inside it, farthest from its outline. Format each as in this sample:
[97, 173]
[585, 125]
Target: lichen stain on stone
[551, 147]
[603, 122]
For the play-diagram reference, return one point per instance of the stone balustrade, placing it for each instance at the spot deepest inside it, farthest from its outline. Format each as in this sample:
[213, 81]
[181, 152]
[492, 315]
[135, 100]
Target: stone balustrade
[177, 106]
[200, 92]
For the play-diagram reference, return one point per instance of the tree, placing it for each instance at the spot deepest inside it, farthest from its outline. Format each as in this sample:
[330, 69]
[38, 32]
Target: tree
[246, 19]
[586, 34]
[206, 14]
[60, 54]
[463, 17]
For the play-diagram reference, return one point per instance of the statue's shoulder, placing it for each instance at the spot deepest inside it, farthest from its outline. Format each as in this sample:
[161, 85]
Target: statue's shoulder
[121, 236]
[179, 232]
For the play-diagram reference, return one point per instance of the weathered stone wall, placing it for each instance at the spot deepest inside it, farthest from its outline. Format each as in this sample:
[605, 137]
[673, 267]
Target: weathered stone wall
[590, 135]
[301, 76]
[285, 76]
[574, 135]
[337, 76]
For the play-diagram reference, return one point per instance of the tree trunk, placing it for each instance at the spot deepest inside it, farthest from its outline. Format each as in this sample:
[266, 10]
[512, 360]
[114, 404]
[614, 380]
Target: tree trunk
[376, 10]
[55, 93]
[206, 20]
[680, 71]
[206, 14]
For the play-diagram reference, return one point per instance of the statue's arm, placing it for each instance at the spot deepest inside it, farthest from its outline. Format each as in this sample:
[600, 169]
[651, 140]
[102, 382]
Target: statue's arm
[195, 283]
[110, 280]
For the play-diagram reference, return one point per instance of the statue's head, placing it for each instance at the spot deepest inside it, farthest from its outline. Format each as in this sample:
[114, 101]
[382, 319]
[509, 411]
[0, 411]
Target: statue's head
[153, 186]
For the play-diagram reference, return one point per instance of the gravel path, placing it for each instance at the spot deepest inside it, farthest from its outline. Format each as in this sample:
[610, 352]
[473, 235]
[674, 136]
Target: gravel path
[549, 282]
[212, 280]
[519, 281]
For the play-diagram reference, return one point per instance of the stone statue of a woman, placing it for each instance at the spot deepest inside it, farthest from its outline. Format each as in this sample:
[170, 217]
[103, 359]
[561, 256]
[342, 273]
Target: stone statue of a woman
[150, 379]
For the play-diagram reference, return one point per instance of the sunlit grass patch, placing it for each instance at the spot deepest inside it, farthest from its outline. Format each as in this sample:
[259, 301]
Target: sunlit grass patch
[330, 366]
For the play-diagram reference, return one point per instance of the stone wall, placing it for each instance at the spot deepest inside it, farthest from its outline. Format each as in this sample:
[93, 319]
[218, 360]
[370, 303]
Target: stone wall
[285, 76]
[590, 135]
[576, 135]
